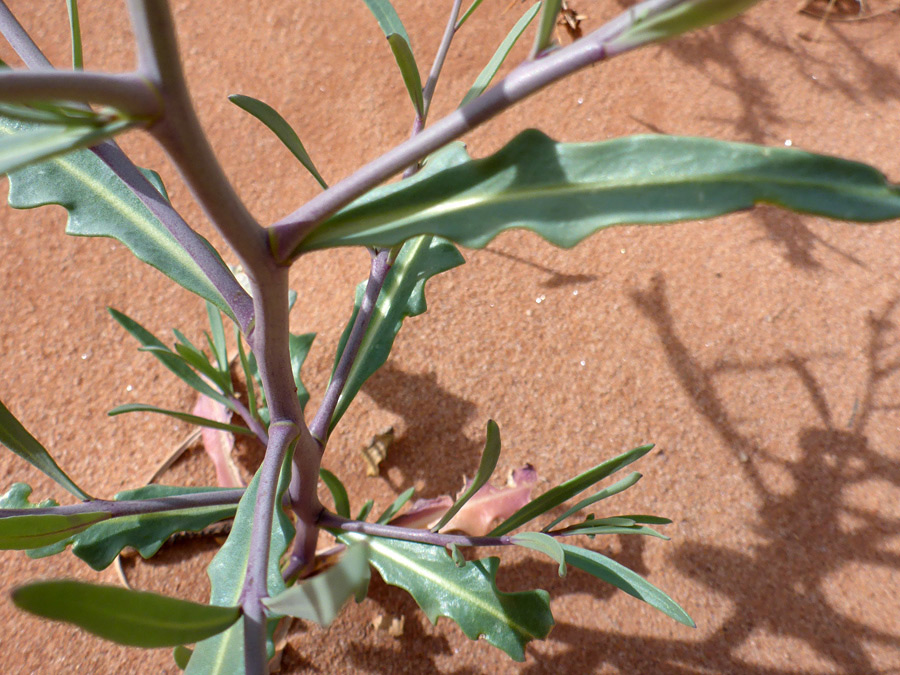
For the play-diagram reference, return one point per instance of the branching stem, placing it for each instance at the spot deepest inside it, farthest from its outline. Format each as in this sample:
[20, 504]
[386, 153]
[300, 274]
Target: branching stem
[134, 507]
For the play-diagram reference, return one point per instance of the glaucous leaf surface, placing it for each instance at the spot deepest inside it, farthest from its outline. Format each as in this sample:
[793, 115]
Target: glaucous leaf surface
[398, 38]
[25, 532]
[623, 578]
[320, 598]
[614, 489]
[223, 653]
[128, 617]
[543, 543]
[99, 545]
[16, 437]
[468, 595]
[101, 205]
[299, 346]
[186, 417]
[402, 295]
[567, 191]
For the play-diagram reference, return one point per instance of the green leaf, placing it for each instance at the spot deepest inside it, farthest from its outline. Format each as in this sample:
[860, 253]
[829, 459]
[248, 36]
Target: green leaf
[587, 529]
[187, 417]
[468, 595]
[280, 127]
[486, 467]
[654, 20]
[248, 374]
[15, 437]
[23, 148]
[224, 653]
[128, 617]
[24, 532]
[365, 510]
[101, 205]
[542, 543]
[219, 347]
[402, 295]
[544, 36]
[565, 192]
[338, 492]
[621, 577]
[614, 489]
[556, 496]
[485, 76]
[299, 346]
[75, 30]
[17, 498]
[320, 598]
[467, 13]
[398, 504]
[196, 358]
[398, 39]
[182, 656]
[99, 545]
[169, 359]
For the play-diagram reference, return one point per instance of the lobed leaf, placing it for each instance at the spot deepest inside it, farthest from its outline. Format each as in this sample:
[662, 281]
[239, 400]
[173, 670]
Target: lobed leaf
[623, 578]
[15, 437]
[402, 295]
[128, 617]
[468, 595]
[565, 192]
[487, 74]
[320, 598]
[486, 467]
[556, 496]
[101, 205]
[99, 545]
[280, 127]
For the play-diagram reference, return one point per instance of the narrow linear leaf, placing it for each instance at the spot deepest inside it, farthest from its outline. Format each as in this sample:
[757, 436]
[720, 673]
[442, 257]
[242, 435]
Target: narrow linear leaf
[486, 467]
[402, 295]
[223, 653]
[338, 492]
[167, 357]
[487, 74]
[365, 510]
[398, 504]
[612, 529]
[542, 543]
[24, 532]
[556, 496]
[248, 375]
[399, 41]
[187, 417]
[15, 437]
[565, 192]
[75, 30]
[468, 595]
[280, 127]
[654, 20]
[320, 598]
[99, 545]
[544, 36]
[299, 346]
[99, 204]
[649, 520]
[128, 617]
[623, 578]
[196, 358]
[467, 13]
[58, 114]
[614, 489]
[217, 329]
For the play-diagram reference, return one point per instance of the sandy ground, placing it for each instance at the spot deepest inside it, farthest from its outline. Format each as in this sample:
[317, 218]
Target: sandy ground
[758, 351]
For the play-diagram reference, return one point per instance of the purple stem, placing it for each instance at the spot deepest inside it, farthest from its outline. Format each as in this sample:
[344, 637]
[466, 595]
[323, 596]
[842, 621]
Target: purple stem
[320, 426]
[287, 234]
[134, 507]
[252, 423]
[127, 92]
[20, 40]
[443, 48]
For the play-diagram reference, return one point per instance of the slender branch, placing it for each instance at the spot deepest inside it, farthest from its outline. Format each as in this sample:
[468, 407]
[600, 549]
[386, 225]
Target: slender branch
[526, 79]
[182, 136]
[321, 423]
[20, 40]
[252, 423]
[443, 48]
[197, 247]
[134, 507]
[127, 92]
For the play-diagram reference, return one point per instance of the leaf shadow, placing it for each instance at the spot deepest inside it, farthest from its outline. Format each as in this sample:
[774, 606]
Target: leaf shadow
[557, 279]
